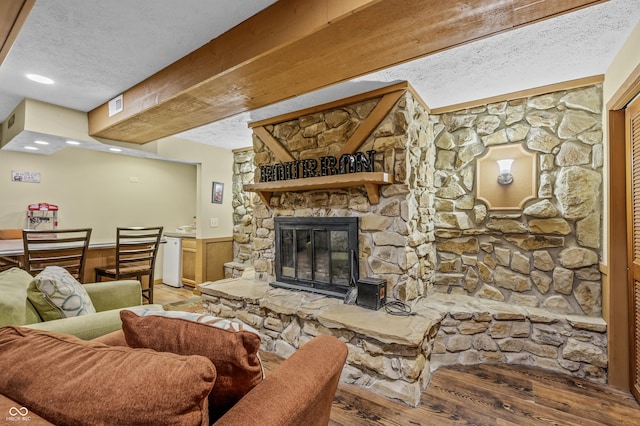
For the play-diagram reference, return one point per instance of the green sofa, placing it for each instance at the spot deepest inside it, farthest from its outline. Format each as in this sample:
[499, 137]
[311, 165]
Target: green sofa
[108, 298]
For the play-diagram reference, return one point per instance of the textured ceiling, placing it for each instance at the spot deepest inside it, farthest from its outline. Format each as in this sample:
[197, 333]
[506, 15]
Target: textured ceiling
[94, 50]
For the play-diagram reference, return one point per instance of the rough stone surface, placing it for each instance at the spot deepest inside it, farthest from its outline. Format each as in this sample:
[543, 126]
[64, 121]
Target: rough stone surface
[576, 122]
[577, 257]
[484, 272]
[577, 190]
[542, 209]
[542, 260]
[542, 281]
[563, 280]
[588, 295]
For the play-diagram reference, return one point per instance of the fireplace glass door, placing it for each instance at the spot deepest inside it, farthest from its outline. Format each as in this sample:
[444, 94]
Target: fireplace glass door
[317, 254]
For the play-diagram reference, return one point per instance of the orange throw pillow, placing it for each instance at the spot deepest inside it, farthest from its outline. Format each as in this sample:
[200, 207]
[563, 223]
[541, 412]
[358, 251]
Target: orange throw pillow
[234, 352]
[66, 380]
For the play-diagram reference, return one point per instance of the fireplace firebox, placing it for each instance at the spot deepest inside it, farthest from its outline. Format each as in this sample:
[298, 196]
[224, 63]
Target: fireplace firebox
[316, 254]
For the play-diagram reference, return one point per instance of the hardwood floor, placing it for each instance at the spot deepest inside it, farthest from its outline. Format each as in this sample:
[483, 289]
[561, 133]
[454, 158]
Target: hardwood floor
[163, 294]
[476, 395]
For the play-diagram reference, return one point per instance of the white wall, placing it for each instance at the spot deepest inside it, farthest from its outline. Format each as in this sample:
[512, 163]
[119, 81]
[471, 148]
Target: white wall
[93, 190]
[625, 61]
[214, 165]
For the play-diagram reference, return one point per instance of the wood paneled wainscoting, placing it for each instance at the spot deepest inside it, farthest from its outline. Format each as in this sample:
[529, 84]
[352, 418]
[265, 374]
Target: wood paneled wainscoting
[96, 256]
[204, 259]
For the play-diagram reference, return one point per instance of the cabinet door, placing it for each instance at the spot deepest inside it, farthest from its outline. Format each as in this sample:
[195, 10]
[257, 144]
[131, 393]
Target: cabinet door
[189, 262]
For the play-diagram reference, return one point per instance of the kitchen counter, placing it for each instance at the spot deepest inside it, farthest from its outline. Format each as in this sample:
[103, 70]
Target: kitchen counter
[179, 234]
[15, 247]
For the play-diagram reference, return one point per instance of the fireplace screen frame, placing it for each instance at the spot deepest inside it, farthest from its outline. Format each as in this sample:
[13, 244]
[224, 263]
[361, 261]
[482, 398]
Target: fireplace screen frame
[315, 226]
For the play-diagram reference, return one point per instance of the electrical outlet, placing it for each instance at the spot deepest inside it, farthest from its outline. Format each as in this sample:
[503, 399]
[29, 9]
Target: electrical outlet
[213, 222]
[134, 179]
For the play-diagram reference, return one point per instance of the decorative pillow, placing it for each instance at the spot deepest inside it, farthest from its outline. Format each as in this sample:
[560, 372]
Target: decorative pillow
[15, 309]
[71, 381]
[230, 345]
[56, 294]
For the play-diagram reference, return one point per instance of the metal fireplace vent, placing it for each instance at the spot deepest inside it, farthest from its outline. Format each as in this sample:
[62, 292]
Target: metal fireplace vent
[316, 254]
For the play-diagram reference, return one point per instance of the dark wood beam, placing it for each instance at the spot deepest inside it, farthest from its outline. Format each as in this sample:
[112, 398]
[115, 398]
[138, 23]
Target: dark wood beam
[13, 13]
[297, 46]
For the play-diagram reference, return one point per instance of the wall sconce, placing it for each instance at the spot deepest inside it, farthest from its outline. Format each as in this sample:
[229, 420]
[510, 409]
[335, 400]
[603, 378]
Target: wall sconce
[515, 185]
[505, 177]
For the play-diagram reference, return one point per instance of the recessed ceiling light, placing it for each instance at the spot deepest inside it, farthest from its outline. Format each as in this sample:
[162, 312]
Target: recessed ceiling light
[115, 149]
[73, 143]
[39, 79]
[31, 148]
[41, 142]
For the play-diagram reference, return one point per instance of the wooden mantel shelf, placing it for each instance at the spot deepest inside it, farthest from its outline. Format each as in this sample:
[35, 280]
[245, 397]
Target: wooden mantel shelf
[370, 180]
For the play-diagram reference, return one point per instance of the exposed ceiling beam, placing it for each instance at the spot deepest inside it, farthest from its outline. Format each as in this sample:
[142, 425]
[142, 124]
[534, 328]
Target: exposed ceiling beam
[297, 46]
[13, 13]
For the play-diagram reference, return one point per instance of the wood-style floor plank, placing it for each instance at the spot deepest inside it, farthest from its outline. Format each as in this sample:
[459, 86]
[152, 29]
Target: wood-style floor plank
[570, 384]
[504, 395]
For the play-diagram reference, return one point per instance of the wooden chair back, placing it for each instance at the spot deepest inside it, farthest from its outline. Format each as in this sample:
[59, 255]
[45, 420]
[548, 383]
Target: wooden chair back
[136, 247]
[66, 248]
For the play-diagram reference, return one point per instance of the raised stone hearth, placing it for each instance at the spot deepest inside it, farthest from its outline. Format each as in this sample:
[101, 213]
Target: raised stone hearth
[395, 355]
[387, 354]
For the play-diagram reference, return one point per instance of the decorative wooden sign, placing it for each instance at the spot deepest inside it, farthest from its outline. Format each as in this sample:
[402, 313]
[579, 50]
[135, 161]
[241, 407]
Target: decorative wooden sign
[327, 166]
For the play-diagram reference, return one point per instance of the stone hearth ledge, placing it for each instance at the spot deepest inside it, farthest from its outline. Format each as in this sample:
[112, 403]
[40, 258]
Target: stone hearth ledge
[395, 355]
[330, 312]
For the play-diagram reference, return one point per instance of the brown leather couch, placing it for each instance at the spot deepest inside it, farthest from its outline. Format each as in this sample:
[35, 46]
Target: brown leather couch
[299, 391]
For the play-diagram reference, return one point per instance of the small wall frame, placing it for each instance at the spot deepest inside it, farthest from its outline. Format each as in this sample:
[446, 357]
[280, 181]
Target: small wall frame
[525, 177]
[217, 192]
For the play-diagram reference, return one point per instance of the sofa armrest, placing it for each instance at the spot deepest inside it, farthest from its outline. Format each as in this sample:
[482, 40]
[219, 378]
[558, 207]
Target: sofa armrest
[87, 327]
[109, 295]
[298, 392]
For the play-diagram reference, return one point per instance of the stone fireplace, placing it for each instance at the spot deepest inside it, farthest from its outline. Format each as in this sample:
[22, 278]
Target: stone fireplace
[486, 285]
[396, 233]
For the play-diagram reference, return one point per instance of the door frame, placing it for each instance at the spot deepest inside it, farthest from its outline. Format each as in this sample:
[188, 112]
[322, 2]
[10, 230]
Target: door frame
[616, 292]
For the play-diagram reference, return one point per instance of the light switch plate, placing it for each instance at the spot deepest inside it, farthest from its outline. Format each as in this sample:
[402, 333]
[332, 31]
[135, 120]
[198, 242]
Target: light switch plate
[213, 222]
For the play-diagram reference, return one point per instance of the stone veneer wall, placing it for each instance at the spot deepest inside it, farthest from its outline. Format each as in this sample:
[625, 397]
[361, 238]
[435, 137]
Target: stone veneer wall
[502, 287]
[546, 255]
[243, 173]
[396, 236]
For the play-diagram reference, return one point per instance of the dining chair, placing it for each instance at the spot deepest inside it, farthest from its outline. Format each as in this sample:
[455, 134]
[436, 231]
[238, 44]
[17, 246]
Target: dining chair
[8, 262]
[136, 250]
[62, 247]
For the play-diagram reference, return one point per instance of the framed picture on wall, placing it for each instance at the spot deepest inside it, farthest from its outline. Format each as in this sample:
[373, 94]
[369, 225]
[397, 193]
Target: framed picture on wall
[217, 192]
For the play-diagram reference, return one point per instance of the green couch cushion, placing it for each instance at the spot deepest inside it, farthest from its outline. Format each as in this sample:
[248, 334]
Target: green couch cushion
[87, 327]
[56, 294]
[109, 295]
[15, 308]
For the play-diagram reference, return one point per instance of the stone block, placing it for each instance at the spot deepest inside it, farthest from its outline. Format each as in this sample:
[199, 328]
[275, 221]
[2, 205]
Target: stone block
[563, 280]
[578, 351]
[510, 280]
[398, 389]
[558, 305]
[546, 351]
[520, 329]
[470, 357]
[483, 342]
[458, 343]
[472, 327]
[547, 335]
[284, 349]
[511, 345]
[543, 261]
